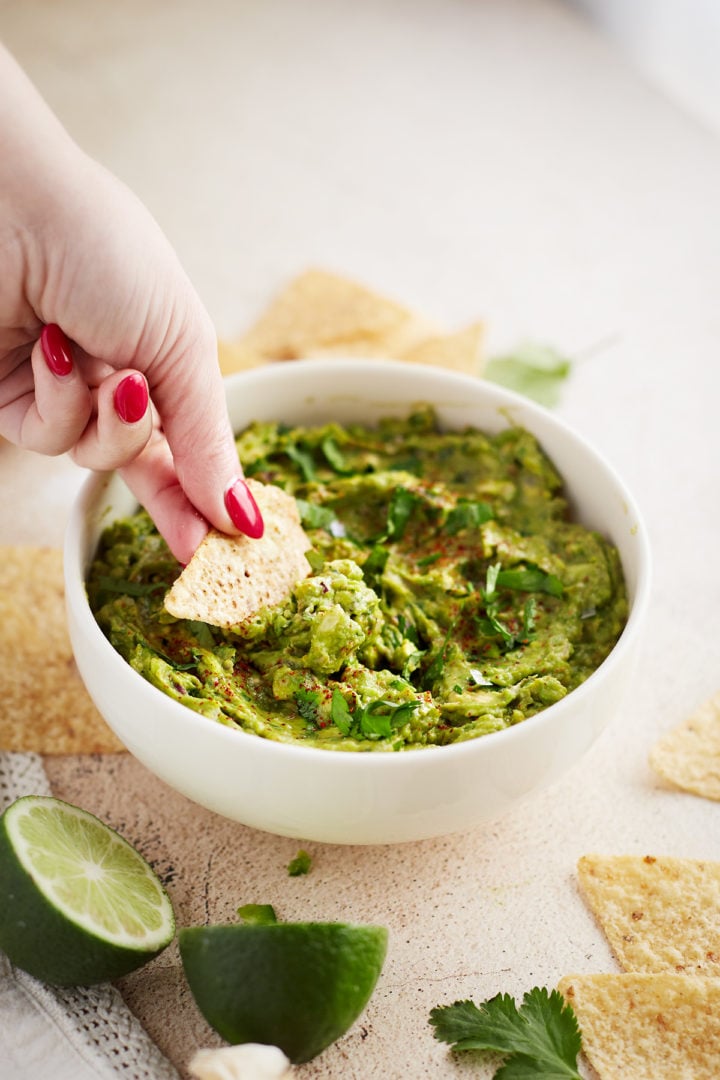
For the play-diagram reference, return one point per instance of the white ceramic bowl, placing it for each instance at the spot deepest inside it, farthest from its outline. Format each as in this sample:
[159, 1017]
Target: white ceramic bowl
[361, 798]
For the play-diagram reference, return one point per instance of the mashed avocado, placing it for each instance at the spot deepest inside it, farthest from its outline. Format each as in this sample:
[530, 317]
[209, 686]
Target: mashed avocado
[452, 594]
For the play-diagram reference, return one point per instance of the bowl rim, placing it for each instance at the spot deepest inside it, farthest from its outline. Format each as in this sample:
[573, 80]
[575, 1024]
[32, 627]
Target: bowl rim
[75, 568]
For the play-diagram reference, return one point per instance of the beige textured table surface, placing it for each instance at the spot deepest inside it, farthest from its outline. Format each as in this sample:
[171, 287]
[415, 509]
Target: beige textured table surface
[472, 159]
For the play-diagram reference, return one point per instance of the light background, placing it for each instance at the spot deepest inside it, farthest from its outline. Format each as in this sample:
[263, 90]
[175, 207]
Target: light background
[473, 159]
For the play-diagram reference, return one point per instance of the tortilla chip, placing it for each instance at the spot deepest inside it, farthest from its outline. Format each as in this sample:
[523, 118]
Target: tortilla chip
[231, 578]
[320, 314]
[233, 356]
[659, 914]
[454, 352]
[689, 755]
[45, 707]
[648, 1027]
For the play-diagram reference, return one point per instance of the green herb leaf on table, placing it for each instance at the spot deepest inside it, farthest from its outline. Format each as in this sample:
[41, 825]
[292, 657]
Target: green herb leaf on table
[540, 1039]
[300, 864]
[257, 914]
[537, 371]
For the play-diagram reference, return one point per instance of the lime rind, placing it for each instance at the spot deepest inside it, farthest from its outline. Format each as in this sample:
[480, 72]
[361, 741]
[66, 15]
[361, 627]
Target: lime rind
[90, 874]
[299, 986]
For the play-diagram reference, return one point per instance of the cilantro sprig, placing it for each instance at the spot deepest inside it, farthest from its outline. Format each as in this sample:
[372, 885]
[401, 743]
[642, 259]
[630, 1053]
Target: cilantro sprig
[541, 1038]
[536, 370]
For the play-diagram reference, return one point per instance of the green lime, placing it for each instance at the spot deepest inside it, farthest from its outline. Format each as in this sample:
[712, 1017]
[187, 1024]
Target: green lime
[298, 986]
[78, 904]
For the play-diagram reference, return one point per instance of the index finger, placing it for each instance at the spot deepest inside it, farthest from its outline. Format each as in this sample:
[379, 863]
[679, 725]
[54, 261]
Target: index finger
[188, 391]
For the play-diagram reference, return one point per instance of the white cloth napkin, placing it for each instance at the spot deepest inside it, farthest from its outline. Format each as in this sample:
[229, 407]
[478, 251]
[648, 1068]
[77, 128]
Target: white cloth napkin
[75, 1033]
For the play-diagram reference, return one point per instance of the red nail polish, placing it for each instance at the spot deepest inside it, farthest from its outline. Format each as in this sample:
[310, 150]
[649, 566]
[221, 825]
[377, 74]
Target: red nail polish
[243, 509]
[56, 350]
[131, 398]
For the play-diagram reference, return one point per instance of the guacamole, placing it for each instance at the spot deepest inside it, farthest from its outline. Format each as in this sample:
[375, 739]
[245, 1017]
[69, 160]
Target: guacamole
[451, 593]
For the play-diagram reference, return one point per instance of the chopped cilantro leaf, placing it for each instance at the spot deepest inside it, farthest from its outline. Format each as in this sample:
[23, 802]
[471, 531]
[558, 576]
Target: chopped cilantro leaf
[402, 503]
[377, 718]
[300, 864]
[427, 560]
[437, 665]
[540, 1039]
[303, 460]
[408, 629]
[375, 564]
[529, 616]
[492, 626]
[491, 581]
[314, 516]
[307, 702]
[129, 588]
[334, 456]
[412, 464]
[380, 717]
[340, 713]
[532, 580]
[467, 515]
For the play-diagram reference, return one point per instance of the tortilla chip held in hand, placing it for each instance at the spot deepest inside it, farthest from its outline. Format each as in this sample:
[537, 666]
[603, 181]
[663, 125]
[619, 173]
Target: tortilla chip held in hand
[230, 578]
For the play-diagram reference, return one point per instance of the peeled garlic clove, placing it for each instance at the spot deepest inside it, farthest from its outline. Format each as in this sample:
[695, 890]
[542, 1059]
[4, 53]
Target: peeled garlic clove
[249, 1061]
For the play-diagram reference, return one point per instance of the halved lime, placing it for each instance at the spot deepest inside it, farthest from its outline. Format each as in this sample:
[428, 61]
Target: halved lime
[78, 904]
[298, 986]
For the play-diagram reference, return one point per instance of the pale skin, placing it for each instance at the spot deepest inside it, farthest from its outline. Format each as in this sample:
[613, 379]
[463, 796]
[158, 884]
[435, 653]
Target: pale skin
[79, 251]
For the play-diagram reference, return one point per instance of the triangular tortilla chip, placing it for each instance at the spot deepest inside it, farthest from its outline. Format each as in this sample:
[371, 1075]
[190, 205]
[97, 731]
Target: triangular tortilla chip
[659, 914]
[319, 313]
[689, 755]
[232, 357]
[230, 578]
[454, 352]
[648, 1027]
[44, 706]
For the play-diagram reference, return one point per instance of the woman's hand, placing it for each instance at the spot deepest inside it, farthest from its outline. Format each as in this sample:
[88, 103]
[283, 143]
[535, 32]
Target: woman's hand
[105, 349]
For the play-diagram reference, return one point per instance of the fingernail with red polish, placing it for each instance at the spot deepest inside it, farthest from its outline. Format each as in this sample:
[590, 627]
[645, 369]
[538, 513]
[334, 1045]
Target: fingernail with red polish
[243, 509]
[131, 398]
[56, 350]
